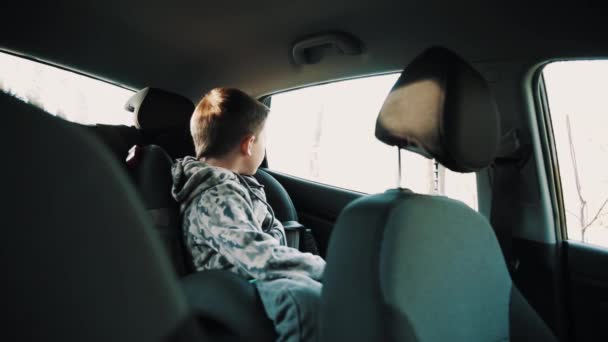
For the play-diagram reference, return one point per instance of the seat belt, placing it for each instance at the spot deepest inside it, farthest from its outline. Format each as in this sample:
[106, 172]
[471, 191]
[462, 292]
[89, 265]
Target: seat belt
[505, 179]
[504, 199]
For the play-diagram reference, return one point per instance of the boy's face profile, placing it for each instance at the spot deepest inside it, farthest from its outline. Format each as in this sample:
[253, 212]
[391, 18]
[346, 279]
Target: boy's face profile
[260, 146]
[254, 150]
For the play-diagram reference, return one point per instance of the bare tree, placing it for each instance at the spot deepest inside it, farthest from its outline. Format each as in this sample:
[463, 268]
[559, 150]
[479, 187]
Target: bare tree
[582, 217]
[432, 180]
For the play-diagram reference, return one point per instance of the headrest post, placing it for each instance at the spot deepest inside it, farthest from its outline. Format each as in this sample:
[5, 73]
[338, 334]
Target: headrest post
[438, 178]
[399, 168]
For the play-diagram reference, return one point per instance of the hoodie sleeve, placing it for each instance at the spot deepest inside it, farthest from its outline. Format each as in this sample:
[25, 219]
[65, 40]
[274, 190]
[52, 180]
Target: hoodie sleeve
[278, 232]
[225, 220]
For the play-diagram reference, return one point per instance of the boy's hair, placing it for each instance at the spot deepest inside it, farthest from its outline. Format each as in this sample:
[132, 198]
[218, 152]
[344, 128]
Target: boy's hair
[222, 118]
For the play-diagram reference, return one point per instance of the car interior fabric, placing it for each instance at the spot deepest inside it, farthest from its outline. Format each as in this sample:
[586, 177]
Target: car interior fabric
[439, 108]
[150, 168]
[81, 262]
[158, 109]
[426, 261]
[227, 306]
[118, 139]
[163, 118]
[277, 197]
[298, 236]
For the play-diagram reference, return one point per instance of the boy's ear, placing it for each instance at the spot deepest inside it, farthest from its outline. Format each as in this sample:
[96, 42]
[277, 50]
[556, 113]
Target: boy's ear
[247, 145]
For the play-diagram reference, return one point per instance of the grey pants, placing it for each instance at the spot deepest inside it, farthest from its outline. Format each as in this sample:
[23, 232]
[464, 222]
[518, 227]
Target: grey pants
[292, 305]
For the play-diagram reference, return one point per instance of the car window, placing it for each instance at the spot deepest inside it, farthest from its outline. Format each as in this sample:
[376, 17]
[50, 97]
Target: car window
[576, 93]
[325, 133]
[63, 93]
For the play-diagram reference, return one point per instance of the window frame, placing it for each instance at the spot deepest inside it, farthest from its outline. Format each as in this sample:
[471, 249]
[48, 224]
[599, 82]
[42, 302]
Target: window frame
[265, 96]
[549, 152]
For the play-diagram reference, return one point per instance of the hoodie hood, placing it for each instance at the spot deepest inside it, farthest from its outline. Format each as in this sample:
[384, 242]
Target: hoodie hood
[191, 177]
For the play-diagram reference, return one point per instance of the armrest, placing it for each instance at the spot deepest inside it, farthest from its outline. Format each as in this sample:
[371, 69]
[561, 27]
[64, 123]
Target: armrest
[229, 302]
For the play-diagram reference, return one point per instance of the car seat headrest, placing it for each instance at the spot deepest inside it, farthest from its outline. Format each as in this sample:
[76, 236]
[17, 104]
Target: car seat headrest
[156, 109]
[442, 108]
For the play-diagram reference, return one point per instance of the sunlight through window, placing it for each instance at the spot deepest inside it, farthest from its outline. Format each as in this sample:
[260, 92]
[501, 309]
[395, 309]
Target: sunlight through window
[65, 94]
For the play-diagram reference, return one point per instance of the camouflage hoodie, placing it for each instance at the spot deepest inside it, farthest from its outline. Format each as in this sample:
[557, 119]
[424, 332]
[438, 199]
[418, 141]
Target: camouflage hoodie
[227, 225]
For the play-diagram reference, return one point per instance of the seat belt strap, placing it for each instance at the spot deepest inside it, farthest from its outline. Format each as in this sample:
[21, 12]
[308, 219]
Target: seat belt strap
[504, 200]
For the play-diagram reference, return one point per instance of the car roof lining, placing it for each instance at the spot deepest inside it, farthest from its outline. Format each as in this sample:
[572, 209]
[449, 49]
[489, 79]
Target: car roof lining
[191, 46]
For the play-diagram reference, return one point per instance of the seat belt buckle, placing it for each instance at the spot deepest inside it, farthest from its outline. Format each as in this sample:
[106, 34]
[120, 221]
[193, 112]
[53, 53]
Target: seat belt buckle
[293, 232]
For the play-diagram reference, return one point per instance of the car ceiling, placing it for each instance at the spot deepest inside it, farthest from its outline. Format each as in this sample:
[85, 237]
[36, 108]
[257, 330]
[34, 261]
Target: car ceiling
[191, 46]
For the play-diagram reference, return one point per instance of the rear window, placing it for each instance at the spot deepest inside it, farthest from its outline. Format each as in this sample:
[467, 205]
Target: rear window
[63, 93]
[325, 133]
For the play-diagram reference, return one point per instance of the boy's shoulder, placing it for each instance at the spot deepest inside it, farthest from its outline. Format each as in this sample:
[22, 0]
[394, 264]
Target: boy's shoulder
[251, 181]
[192, 178]
[241, 187]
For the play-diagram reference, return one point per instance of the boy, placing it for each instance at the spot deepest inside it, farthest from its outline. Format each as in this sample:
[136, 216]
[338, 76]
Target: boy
[226, 220]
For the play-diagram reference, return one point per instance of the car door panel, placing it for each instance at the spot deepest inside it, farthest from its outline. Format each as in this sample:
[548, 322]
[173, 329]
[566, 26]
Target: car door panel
[588, 290]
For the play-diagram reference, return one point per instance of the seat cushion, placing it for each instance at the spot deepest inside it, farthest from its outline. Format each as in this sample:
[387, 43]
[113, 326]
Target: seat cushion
[426, 268]
[227, 306]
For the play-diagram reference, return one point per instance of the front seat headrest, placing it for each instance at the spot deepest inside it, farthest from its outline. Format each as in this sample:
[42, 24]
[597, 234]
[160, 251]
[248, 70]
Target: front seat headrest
[442, 108]
[156, 109]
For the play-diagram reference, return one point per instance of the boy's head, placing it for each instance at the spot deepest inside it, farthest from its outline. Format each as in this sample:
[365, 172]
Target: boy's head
[228, 125]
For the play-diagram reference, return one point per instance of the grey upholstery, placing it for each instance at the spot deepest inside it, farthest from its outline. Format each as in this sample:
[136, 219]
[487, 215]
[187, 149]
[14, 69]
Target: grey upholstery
[118, 139]
[408, 267]
[163, 118]
[80, 262]
[298, 235]
[228, 307]
[277, 197]
[150, 168]
[158, 109]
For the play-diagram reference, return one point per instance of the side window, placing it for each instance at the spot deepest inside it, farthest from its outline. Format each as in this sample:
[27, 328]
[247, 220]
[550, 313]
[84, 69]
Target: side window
[66, 94]
[325, 133]
[576, 93]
